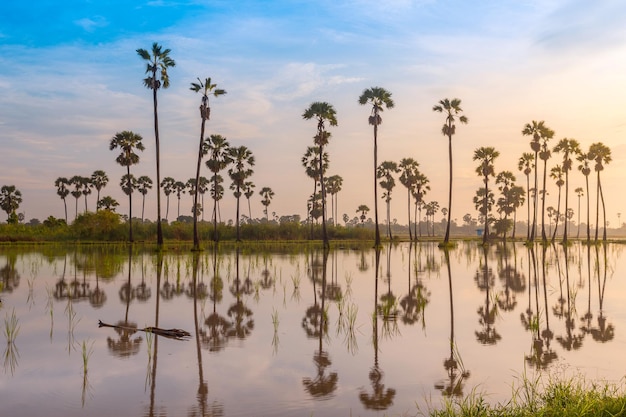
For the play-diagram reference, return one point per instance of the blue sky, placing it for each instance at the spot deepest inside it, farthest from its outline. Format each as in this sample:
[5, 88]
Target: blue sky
[70, 79]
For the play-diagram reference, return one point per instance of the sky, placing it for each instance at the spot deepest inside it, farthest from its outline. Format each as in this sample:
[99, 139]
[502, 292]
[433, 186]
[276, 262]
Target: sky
[70, 78]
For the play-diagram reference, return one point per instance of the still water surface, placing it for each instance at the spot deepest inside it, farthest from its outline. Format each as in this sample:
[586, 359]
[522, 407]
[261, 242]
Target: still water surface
[300, 334]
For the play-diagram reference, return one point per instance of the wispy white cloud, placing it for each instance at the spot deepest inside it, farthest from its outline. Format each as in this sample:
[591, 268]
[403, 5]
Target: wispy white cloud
[90, 24]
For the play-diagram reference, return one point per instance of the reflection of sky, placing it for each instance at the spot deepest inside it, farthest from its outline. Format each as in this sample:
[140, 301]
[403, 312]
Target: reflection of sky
[247, 377]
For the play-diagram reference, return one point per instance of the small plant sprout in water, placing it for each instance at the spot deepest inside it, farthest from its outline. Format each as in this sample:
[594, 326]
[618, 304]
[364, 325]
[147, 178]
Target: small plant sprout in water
[87, 351]
[275, 322]
[11, 327]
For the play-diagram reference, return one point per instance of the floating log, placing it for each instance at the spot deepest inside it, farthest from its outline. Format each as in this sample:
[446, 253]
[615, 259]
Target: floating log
[177, 334]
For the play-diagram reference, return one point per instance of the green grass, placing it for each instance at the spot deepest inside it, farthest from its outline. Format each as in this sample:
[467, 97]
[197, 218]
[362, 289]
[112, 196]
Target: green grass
[534, 398]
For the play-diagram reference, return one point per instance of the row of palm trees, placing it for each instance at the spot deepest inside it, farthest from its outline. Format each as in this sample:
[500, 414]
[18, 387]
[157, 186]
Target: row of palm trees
[79, 186]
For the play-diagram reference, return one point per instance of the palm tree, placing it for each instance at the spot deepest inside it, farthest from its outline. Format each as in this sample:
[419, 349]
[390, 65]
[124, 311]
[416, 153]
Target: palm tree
[108, 203]
[569, 148]
[158, 60]
[168, 188]
[419, 190]
[579, 193]
[323, 113]
[216, 191]
[179, 189]
[267, 194]
[526, 164]
[452, 110]
[485, 169]
[77, 182]
[585, 169]
[506, 204]
[384, 172]
[333, 186]
[144, 183]
[556, 173]
[127, 142]
[517, 197]
[310, 162]
[363, 209]
[248, 191]
[10, 199]
[243, 160]
[541, 134]
[62, 191]
[217, 148]
[128, 184]
[409, 167]
[208, 89]
[203, 187]
[379, 99]
[99, 180]
[431, 209]
[601, 154]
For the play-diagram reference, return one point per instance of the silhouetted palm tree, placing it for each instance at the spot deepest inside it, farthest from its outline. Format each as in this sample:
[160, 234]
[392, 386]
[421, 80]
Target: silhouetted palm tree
[579, 193]
[144, 183]
[62, 191]
[556, 173]
[179, 189]
[601, 154]
[207, 89]
[168, 188]
[379, 99]
[243, 160]
[158, 61]
[569, 148]
[99, 180]
[217, 148]
[584, 167]
[248, 191]
[526, 164]
[10, 200]
[452, 110]
[127, 142]
[333, 186]
[485, 156]
[384, 172]
[108, 203]
[267, 194]
[409, 167]
[363, 209]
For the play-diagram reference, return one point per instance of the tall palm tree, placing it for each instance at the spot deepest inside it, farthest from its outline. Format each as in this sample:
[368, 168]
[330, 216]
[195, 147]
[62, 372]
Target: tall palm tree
[168, 188]
[128, 184]
[10, 199]
[452, 110]
[569, 148]
[77, 182]
[601, 154]
[86, 189]
[409, 167]
[333, 186]
[128, 142]
[387, 183]
[526, 164]
[485, 156]
[363, 209]
[379, 99]
[585, 169]
[579, 193]
[419, 190]
[556, 173]
[541, 134]
[158, 61]
[207, 89]
[310, 162]
[108, 203]
[506, 204]
[267, 194]
[323, 113]
[63, 191]
[217, 148]
[179, 189]
[203, 187]
[99, 180]
[144, 183]
[248, 191]
[243, 161]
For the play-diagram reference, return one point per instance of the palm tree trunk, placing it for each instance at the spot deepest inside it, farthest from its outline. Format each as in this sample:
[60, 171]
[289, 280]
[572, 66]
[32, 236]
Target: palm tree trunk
[143, 207]
[566, 206]
[130, 207]
[65, 205]
[377, 239]
[237, 221]
[543, 202]
[558, 214]
[447, 237]
[485, 209]
[158, 160]
[196, 239]
[532, 232]
[603, 209]
[587, 191]
[528, 206]
[408, 196]
[597, 206]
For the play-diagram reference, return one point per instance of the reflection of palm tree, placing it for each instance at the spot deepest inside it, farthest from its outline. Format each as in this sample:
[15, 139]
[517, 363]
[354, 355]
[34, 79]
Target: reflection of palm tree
[513, 281]
[218, 325]
[570, 341]
[380, 398]
[604, 332]
[414, 303]
[323, 385]
[487, 314]
[242, 324]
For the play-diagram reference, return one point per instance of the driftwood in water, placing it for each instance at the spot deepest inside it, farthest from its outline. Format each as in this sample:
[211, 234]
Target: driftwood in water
[171, 333]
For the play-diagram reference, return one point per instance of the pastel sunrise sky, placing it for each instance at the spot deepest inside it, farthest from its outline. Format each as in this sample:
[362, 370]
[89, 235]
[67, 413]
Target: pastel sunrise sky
[70, 79]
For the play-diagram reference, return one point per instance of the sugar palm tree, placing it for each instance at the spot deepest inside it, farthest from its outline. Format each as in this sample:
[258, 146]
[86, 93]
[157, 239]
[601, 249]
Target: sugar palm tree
[86, 189]
[505, 181]
[585, 169]
[77, 182]
[569, 148]
[409, 168]
[207, 88]
[579, 193]
[10, 200]
[385, 172]
[158, 61]
[128, 142]
[333, 187]
[418, 192]
[241, 170]
[267, 194]
[452, 110]
[99, 180]
[556, 173]
[203, 187]
[363, 209]
[526, 164]
[541, 134]
[323, 113]
[485, 156]
[310, 162]
[601, 154]
[63, 191]
[248, 191]
[108, 203]
[379, 99]
[144, 183]
[179, 189]
[168, 188]
[217, 148]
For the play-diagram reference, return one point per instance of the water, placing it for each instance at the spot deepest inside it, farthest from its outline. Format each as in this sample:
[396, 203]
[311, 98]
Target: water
[284, 334]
